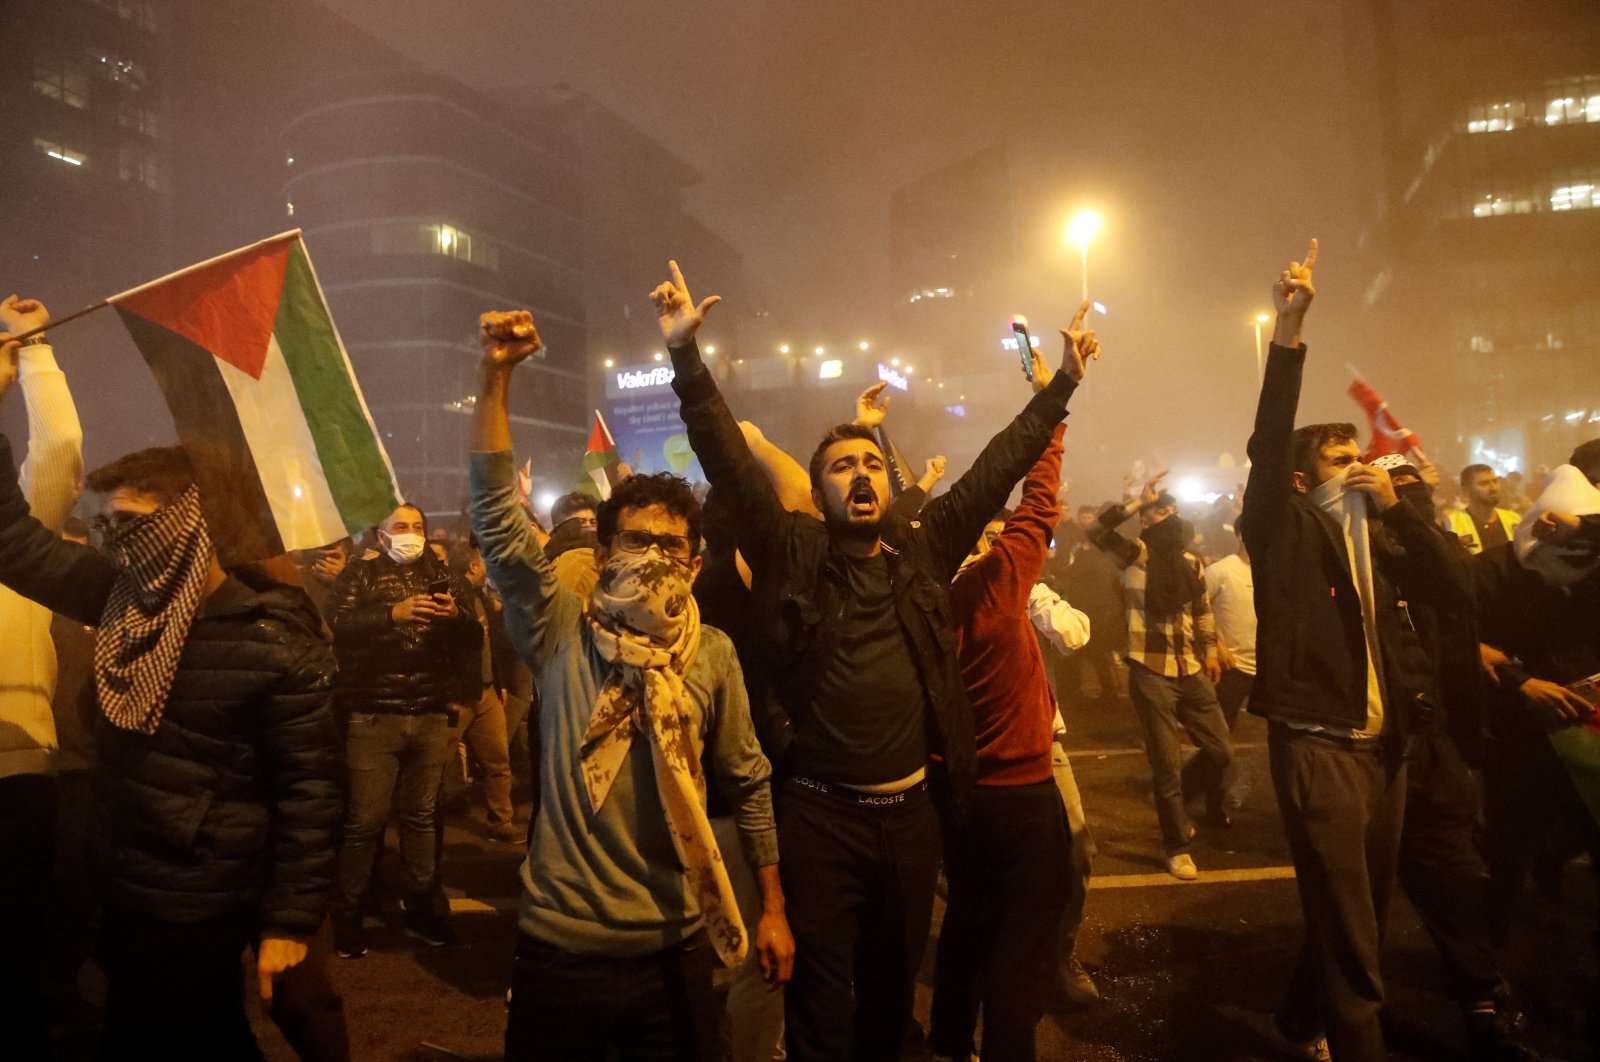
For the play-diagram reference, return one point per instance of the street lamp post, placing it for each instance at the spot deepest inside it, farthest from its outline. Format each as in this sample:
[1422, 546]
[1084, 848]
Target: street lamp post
[1261, 369]
[1081, 230]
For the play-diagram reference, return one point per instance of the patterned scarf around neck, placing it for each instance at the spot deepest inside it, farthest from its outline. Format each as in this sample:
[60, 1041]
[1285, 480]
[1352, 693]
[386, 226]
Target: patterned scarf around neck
[163, 560]
[645, 622]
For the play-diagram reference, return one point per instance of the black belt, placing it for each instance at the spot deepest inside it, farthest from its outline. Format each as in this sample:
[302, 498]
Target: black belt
[1344, 741]
[855, 796]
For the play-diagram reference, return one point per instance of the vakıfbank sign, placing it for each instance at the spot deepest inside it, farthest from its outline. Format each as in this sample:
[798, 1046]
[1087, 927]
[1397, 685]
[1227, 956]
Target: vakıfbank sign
[642, 413]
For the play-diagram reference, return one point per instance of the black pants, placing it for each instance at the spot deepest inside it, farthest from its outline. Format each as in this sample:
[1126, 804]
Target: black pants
[174, 990]
[643, 1008]
[996, 948]
[858, 880]
[27, 847]
[1528, 795]
[1441, 868]
[1342, 809]
[74, 916]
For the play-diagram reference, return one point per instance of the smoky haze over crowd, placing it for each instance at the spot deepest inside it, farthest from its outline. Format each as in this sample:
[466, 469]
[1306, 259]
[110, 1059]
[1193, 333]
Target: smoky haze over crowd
[1215, 141]
[1212, 138]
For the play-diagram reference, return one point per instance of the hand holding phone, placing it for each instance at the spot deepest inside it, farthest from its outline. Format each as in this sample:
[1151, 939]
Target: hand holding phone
[1019, 328]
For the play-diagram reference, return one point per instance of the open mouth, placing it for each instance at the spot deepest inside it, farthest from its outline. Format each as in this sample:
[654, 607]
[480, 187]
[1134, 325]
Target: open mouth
[863, 500]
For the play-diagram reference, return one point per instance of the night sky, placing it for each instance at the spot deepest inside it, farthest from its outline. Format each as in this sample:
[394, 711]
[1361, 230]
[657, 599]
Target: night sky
[1213, 137]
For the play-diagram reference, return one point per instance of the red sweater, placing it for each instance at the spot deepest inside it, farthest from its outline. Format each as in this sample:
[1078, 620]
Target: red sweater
[1013, 710]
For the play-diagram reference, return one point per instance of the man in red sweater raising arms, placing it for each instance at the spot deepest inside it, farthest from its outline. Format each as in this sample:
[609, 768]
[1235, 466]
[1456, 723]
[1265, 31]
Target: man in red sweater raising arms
[1007, 862]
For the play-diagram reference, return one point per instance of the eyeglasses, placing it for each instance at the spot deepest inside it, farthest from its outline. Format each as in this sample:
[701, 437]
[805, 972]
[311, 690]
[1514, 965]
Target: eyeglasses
[676, 547]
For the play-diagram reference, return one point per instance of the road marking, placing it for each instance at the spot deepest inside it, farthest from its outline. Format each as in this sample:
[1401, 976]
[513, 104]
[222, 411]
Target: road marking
[1138, 750]
[467, 905]
[1207, 877]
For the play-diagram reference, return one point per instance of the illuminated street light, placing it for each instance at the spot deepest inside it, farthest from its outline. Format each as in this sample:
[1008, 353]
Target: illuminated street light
[819, 351]
[610, 362]
[784, 349]
[1081, 231]
[865, 345]
[1261, 370]
[659, 355]
[711, 350]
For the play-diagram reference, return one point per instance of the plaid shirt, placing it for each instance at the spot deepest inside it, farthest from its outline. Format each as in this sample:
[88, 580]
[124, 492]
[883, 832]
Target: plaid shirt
[1171, 645]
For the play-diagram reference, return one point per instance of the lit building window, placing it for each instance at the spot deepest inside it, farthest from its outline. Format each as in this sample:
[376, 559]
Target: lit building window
[1575, 197]
[136, 165]
[116, 69]
[1491, 206]
[1497, 117]
[61, 79]
[448, 240]
[59, 153]
[137, 118]
[932, 293]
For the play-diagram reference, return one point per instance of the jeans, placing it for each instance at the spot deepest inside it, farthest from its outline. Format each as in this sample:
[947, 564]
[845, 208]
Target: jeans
[27, 844]
[482, 727]
[588, 1008]
[755, 1015]
[1163, 703]
[1233, 695]
[398, 759]
[997, 944]
[858, 880]
[175, 990]
[1441, 868]
[1342, 809]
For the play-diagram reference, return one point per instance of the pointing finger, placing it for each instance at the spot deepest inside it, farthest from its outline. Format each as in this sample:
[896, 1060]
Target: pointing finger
[677, 276]
[1083, 311]
[1311, 255]
[265, 977]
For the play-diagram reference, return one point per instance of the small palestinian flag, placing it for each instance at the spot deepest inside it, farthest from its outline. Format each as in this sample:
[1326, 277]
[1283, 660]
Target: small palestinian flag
[264, 400]
[602, 467]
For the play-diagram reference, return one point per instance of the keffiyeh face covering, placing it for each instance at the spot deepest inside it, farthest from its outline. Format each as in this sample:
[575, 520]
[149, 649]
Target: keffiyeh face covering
[645, 621]
[164, 558]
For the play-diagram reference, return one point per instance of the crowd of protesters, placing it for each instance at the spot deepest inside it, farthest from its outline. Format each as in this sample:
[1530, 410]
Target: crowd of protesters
[758, 722]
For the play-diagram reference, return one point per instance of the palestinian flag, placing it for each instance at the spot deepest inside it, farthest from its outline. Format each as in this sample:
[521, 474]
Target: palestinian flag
[602, 467]
[264, 400]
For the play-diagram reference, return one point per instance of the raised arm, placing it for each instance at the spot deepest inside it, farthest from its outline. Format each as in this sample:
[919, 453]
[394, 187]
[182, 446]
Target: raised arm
[538, 609]
[65, 577]
[956, 518]
[53, 470]
[1104, 534]
[872, 409]
[1271, 442]
[1017, 557]
[714, 434]
[785, 474]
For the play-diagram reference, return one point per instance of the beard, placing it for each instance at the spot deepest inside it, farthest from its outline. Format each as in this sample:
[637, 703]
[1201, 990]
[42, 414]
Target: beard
[839, 521]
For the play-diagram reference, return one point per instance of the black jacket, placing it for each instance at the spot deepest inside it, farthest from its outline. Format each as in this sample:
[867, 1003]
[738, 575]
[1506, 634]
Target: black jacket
[1311, 648]
[798, 577]
[233, 804]
[401, 668]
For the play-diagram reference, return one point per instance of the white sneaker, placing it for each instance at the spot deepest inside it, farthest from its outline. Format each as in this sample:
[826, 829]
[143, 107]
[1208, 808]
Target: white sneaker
[1182, 867]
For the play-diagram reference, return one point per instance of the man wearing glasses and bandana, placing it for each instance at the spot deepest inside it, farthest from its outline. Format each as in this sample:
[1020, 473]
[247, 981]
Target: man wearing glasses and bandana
[626, 902]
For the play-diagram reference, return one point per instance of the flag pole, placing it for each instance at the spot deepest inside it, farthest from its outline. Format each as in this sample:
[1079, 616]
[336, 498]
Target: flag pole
[86, 311]
[114, 299]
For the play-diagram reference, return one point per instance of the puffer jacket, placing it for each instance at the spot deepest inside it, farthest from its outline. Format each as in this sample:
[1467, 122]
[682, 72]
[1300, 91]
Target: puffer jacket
[398, 668]
[233, 804]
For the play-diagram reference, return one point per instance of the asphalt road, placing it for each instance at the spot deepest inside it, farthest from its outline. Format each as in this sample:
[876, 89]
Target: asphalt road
[1188, 971]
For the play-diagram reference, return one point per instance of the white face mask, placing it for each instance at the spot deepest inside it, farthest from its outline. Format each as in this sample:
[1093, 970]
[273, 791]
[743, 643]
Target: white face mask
[406, 547]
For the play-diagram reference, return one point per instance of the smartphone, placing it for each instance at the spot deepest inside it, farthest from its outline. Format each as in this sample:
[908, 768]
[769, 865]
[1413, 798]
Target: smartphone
[439, 588]
[1019, 328]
